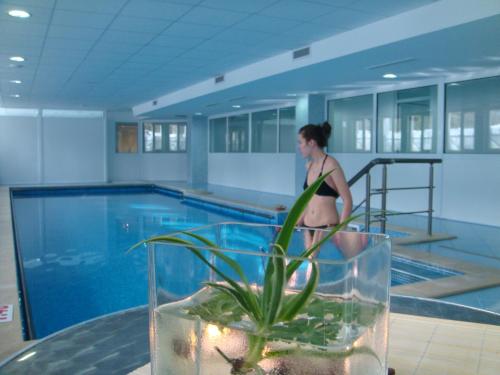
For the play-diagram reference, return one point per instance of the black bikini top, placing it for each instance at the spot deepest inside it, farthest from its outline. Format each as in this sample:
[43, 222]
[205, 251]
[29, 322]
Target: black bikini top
[324, 189]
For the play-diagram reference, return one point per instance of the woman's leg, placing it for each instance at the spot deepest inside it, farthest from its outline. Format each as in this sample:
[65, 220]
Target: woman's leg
[308, 242]
[308, 238]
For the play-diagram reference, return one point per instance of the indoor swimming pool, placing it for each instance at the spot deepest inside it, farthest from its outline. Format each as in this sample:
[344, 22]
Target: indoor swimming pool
[71, 247]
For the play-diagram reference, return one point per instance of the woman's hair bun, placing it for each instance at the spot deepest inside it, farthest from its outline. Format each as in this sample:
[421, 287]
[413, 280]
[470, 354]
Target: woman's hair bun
[327, 129]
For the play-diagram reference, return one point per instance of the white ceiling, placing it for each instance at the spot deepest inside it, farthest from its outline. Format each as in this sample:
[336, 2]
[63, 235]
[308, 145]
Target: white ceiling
[458, 53]
[109, 54]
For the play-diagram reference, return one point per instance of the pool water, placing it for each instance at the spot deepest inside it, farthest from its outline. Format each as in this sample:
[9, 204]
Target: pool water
[73, 251]
[72, 247]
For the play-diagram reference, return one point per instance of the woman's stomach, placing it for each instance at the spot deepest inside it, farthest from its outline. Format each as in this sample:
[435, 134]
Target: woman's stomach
[321, 211]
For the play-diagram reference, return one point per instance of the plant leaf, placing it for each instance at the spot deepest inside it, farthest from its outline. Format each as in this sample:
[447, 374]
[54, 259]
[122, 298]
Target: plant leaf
[274, 288]
[245, 300]
[229, 261]
[293, 216]
[299, 300]
[294, 264]
[236, 268]
[230, 292]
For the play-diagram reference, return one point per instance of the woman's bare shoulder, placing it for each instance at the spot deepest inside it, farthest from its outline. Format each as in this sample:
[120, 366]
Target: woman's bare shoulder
[331, 163]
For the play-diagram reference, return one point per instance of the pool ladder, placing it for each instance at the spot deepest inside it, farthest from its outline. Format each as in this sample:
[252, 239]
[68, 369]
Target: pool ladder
[381, 217]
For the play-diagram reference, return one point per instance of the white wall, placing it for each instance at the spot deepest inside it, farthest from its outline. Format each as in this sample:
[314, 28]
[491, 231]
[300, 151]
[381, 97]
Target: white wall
[74, 150]
[273, 173]
[471, 188]
[149, 167]
[19, 150]
[39, 149]
[141, 166]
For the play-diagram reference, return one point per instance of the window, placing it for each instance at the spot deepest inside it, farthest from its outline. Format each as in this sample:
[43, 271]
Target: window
[407, 120]
[287, 130]
[182, 138]
[460, 130]
[165, 137]
[264, 131]
[351, 120]
[494, 129]
[270, 129]
[218, 131]
[148, 137]
[126, 137]
[473, 116]
[238, 133]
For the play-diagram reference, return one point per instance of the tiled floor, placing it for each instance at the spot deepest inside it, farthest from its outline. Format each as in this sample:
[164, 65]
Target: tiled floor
[10, 332]
[427, 346]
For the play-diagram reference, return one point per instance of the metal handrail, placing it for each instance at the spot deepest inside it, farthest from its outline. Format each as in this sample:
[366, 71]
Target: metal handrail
[382, 217]
[380, 161]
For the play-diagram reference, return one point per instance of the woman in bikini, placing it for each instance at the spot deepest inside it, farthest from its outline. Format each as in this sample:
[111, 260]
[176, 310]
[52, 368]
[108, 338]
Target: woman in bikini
[321, 211]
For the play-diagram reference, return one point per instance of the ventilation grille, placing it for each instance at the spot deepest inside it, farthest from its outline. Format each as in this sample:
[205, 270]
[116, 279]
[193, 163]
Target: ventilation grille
[301, 52]
[219, 79]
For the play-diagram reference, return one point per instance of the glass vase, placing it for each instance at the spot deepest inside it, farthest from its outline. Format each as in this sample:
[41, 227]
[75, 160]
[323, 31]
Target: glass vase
[329, 316]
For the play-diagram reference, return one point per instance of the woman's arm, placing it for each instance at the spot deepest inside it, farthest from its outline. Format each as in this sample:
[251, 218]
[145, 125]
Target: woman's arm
[300, 222]
[338, 178]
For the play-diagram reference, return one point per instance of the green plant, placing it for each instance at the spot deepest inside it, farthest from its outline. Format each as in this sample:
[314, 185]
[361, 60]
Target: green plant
[273, 312]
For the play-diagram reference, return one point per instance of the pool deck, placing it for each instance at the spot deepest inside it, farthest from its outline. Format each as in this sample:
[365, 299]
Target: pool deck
[10, 332]
[428, 346]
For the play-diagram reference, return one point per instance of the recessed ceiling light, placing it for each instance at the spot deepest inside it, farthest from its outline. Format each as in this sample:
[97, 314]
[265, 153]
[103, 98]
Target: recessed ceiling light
[291, 94]
[454, 84]
[390, 76]
[16, 81]
[16, 58]
[18, 13]
[15, 96]
[198, 113]
[236, 106]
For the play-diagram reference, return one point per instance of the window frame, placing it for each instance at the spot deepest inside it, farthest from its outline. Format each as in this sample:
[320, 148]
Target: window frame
[252, 135]
[209, 138]
[367, 140]
[129, 124]
[405, 133]
[248, 141]
[482, 126]
[227, 116]
[165, 137]
[280, 130]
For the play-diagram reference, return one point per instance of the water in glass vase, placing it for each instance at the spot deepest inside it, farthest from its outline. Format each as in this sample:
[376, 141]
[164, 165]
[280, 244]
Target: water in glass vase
[208, 334]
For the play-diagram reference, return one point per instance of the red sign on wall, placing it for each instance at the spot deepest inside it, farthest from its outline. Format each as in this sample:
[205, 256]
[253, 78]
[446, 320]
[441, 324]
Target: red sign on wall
[5, 313]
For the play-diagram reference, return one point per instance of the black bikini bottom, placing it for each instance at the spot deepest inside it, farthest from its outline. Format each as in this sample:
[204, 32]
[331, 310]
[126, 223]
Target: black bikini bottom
[313, 229]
